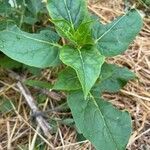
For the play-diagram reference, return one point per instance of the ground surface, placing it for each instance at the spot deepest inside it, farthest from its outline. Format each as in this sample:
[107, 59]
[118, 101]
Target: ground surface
[16, 131]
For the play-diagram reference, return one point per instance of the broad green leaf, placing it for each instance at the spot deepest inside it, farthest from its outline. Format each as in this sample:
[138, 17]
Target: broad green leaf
[40, 84]
[64, 29]
[83, 35]
[105, 126]
[86, 62]
[112, 78]
[67, 80]
[73, 21]
[72, 11]
[114, 38]
[38, 50]
[80, 37]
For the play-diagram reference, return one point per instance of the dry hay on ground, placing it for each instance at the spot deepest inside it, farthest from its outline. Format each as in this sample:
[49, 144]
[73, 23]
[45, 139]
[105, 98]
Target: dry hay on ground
[16, 129]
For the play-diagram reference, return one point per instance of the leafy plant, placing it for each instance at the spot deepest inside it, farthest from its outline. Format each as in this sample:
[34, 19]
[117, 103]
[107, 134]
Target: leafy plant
[86, 75]
[21, 12]
[146, 2]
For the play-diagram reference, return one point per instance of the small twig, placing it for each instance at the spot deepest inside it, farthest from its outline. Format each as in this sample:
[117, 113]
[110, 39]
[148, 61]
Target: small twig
[51, 94]
[135, 95]
[33, 142]
[62, 107]
[42, 123]
[26, 122]
[31, 102]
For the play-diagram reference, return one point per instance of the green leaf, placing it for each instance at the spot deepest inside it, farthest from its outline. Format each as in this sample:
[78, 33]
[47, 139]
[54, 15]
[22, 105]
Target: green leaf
[145, 2]
[4, 23]
[35, 6]
[112, 78]
[114, 38]
[5, 8]
[33, 70]
[38, 50]
[8, 63]
[80, 137]
[73, 21]
[86, 62]
[67, 80]
[83, 35]
[72, 11]
[30, 20]
[40, 84]
[80, 37]
[105, 126]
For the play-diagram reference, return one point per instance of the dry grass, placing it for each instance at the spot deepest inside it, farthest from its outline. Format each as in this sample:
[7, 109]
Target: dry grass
[17, 128]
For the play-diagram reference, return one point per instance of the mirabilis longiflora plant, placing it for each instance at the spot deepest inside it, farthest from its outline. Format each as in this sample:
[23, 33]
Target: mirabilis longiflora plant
[86, 75]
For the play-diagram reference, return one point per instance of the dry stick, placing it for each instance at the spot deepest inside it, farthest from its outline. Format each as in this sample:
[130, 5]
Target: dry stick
[135, 95]
[31, 102]
[50, 94]
[43, 138]
[42, 123]
[32, 145]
